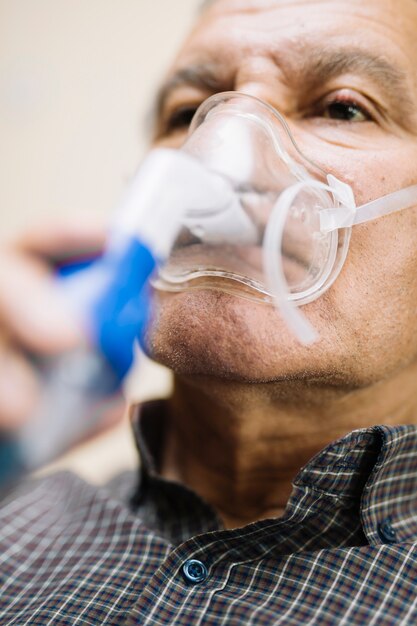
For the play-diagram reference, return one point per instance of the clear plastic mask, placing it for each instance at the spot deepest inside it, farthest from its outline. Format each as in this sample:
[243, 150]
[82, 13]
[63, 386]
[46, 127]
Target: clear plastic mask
[282, 236]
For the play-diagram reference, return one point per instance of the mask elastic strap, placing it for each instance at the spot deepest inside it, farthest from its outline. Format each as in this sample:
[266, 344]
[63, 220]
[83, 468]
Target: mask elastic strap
[404, 199]
[347, 215]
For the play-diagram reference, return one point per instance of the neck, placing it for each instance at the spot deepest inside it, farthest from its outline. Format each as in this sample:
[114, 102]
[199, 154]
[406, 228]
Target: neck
[240, 446]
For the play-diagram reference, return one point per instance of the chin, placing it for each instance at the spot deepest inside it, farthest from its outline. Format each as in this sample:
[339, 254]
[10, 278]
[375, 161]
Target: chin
[213, 334]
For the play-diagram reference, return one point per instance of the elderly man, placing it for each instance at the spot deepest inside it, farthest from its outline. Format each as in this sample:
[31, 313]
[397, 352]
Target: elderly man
[279, 482]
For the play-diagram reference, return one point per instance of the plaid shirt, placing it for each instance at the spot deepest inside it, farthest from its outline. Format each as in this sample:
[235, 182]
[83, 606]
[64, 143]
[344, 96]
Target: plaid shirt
[343, 553]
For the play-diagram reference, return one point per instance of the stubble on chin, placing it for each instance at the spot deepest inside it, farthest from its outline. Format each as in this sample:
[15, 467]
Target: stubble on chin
[208, 333]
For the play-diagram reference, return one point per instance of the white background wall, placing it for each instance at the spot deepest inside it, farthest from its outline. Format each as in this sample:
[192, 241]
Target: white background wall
[77, 79]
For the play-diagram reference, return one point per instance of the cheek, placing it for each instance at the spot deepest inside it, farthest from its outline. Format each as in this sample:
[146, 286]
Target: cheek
[374, 300]
[376, 292]
[377, 175]
[371, 172]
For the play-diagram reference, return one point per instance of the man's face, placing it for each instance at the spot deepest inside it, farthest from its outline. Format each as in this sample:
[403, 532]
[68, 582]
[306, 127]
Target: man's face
[344, 75]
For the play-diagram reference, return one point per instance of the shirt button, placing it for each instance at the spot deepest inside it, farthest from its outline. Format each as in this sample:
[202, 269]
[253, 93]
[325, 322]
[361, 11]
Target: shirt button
[194, 571]
[386, 532]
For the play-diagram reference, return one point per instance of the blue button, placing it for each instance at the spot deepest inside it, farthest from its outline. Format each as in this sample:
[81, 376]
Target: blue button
[386, 532]
[194, 571]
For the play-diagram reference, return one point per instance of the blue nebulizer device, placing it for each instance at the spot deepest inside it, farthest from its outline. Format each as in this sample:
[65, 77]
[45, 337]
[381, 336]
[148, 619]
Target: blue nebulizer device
[109, 298]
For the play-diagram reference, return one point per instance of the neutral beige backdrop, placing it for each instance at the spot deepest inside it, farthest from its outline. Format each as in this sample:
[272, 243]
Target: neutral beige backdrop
[77, 78]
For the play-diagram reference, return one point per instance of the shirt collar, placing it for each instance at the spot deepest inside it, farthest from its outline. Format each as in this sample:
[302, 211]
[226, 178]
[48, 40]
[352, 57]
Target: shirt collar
[376, 466]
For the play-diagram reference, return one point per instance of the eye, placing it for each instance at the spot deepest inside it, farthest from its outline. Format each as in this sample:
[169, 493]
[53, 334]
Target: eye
[179, 119]
[345, 111]
[344, 107]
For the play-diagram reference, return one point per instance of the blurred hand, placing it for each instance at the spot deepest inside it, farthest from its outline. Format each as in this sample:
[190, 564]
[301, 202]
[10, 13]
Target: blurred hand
[33, 318]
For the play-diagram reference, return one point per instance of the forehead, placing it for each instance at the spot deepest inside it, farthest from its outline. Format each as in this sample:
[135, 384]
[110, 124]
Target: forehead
[255, 5]
[251, 26]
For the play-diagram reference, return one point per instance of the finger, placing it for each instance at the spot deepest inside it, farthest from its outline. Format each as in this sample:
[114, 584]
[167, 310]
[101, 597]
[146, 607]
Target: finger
[19, 390]
[32, 309]
[77, 235]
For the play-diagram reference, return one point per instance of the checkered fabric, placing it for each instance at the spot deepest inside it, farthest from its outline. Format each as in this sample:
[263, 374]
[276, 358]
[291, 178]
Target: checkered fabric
[344, 552]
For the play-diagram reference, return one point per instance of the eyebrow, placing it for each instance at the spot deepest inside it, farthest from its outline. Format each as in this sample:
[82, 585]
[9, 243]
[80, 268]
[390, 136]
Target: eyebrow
[308, 67]
[318, 64]
[204, 76]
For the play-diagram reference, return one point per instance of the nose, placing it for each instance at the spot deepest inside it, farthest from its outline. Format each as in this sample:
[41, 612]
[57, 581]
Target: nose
[260, 77]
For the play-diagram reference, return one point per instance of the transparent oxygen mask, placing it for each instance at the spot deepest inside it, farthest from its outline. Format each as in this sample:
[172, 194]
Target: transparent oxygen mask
[255, 247]
[282, 234]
